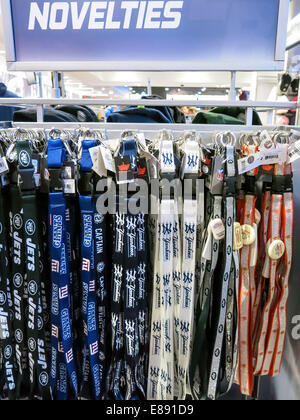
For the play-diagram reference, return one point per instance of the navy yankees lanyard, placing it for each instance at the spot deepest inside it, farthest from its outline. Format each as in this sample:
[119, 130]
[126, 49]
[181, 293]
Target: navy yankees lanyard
[37, 358]
[63, 368]
[6, 324]
[88, 273]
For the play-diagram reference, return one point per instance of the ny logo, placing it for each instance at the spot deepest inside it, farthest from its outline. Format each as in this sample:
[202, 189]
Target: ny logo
[142, 269]
[94, 348]
[55, 266]
[120, 220]
[63, 292]
[54, 331]
[166, 279]
[192, 161]
[60, 347]
[167, 158]
[141, 219]
[130, 224]
[69, 356]
[188, 278]
[185, 326]
[176, 276]
[190, 229]
[154, 372]
[86, 265]
[167, 228]
[92, 286]
[156, 326]
[181, 372]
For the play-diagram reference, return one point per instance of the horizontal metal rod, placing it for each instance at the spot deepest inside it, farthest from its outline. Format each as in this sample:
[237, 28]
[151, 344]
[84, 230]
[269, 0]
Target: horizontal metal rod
[107, 102]
[115, 127]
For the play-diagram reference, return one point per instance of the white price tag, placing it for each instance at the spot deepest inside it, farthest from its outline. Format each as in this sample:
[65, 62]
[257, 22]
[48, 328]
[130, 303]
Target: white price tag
[107, 159]
[4, 169]
[266, 157]
[69, 186]
[294, 152]
[98, 165]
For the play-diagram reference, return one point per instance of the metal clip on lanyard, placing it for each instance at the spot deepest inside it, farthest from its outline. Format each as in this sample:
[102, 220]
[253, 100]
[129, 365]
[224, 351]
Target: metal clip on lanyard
[88, 270]
[6, 324]
[63, 367]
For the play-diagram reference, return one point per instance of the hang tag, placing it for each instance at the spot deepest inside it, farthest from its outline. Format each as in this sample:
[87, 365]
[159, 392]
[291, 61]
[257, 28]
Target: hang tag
[191, 159]
[270, 157]
[276, 250]
[248, 235]
[217, 178]
[257, 217]
[218, 229]
[294, 152]
[4, 169]
[107, 159]
[207, 249]
[254, 248]
[98, 163]
[266, 141]
[142, 141]
[69, 186]
[167, 158]
[237, 237]
[124, 173]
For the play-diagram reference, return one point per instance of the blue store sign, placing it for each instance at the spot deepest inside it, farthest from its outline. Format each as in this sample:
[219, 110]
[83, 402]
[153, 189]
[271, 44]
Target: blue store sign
[145, 35]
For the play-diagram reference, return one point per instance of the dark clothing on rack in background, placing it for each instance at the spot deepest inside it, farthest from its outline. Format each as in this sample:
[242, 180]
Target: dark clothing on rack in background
[148, 115]
[7, 112]
[139, 115]
[70, 113]
[226, 116]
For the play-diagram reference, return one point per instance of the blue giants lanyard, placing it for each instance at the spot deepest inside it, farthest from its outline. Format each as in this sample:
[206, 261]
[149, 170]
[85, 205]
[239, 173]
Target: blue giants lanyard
[88, 274]
[61, 330]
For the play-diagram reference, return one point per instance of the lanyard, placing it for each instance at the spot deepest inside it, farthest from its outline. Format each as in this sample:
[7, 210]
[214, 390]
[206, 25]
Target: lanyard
[62, 337]
[37, 358]
[88, 275]
[6, 327]
[228, 284]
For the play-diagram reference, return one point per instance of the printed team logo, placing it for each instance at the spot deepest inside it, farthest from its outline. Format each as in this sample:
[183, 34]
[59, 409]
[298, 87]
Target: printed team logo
[40, 323]
[63, 292]
[18, 280]
[101, 356]
[100, 267]
[55, 266]
[86, 265]
[94, 348]
[8, 352]
[99, 218]
[32, 344]
[44, 379]
[30, 227]
[2, 298]
[32, 288]
[17, 221]
[69, 356]
[18, 336]
[24, 158]
[54, 331]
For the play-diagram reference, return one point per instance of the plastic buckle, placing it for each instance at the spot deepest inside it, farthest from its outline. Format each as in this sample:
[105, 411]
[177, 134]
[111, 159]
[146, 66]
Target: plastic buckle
[56, 181]
[230, 186]
[289, 187]
[250, 185]
[85, 183]
[26, 179]
[279, 184]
